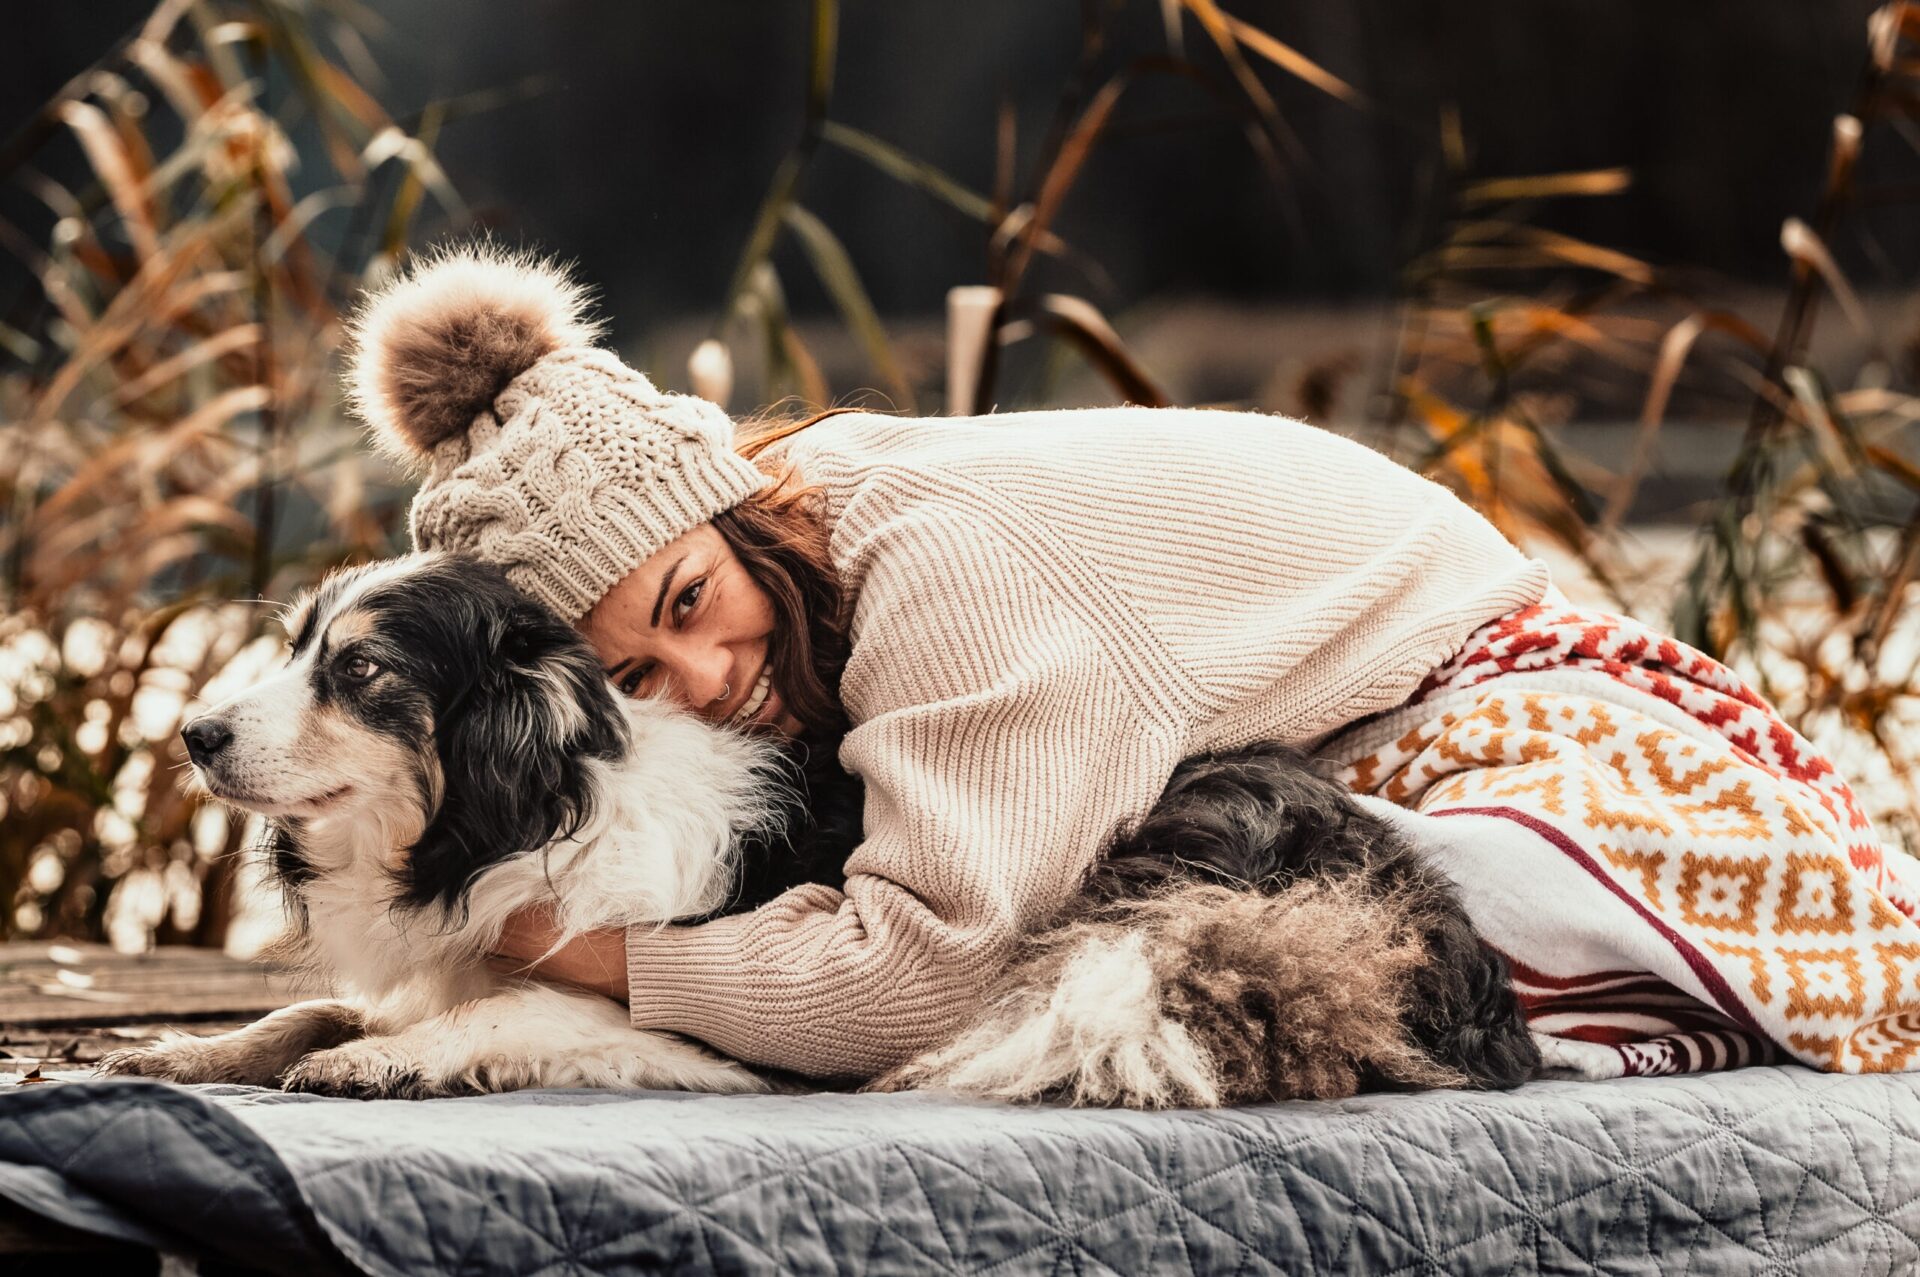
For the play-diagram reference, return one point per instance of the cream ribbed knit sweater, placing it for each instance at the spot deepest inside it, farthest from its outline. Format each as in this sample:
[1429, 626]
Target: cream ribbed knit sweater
[1052, 610]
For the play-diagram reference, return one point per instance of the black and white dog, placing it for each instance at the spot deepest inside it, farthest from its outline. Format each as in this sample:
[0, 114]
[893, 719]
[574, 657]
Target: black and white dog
[441, 751]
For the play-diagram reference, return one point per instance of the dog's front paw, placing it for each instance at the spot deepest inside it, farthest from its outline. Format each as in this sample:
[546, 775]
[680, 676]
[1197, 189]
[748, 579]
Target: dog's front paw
[178, 1057]
[363, 1070]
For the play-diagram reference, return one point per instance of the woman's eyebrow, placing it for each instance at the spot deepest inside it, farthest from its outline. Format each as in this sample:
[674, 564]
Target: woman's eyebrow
[659, 601]
[666, 583]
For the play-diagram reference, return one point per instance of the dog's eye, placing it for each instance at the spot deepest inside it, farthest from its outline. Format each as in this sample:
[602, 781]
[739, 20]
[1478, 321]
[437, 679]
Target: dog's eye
[359, 668]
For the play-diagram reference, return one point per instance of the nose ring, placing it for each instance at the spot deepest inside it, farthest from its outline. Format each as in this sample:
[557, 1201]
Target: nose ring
[724, 693]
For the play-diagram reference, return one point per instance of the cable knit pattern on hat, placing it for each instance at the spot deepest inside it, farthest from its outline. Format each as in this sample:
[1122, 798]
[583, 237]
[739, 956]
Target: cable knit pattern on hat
[587, 471]
[572, 469]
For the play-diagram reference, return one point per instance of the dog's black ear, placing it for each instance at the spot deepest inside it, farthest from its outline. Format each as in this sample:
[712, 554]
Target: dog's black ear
[514, 748]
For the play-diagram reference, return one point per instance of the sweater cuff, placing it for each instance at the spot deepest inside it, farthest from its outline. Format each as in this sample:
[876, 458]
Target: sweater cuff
[775, 987]
[677, 977]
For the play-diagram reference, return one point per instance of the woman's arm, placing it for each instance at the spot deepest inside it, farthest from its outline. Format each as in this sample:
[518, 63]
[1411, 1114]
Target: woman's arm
[982, 818]
[592, 960]
[999, 741]
[983, 812]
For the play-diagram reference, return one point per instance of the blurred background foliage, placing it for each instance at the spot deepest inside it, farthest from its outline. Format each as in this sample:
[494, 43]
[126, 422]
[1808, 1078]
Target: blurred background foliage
[1660, 327]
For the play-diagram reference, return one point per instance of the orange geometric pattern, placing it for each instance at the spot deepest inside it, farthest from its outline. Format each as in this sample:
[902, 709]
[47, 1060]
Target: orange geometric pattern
[1681, 802]
[1819, 977]
[1663, 750]
[1631, 812]
[1814, 898]
[1722, 892]
[1900, 967]
[1645, 863]
[1523, 781]
[1756, 965]
[1886, 1045]
[1729, 814]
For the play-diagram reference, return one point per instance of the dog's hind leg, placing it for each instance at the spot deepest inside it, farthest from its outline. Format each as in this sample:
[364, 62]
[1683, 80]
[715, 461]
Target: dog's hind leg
[1198, 995]
[529, 1035]
[256, 1055]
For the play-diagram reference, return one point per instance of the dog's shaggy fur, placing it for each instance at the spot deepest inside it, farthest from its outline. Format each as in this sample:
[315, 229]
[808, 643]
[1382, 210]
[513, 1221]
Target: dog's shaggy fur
[441, 751]
[1258, 936]
[1199, 995]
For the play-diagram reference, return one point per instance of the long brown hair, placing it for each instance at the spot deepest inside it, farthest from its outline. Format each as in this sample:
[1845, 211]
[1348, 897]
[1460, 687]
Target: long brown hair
[781, 537]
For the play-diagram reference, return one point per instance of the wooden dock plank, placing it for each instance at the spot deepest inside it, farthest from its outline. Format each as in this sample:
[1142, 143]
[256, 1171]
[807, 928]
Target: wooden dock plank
[63, 1006]
[90, 986]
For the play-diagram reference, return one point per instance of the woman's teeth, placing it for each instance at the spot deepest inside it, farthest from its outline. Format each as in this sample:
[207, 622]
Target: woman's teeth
[753, 703]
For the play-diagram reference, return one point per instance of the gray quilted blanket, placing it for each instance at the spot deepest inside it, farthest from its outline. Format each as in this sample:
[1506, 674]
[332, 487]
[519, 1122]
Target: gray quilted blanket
[1767, 1170]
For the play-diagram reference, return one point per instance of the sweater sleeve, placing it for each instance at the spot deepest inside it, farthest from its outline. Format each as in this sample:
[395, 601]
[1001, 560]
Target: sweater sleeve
[998, 750]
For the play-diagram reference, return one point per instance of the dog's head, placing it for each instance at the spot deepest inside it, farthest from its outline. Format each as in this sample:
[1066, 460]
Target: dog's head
[429, 702]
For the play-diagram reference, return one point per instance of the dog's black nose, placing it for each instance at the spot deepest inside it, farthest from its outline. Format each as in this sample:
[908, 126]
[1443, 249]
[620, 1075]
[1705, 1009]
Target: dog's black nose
[205, 737]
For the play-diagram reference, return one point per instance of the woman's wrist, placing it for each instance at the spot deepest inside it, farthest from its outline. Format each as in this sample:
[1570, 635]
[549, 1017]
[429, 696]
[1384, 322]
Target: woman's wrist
[597, 960]
[593, 960]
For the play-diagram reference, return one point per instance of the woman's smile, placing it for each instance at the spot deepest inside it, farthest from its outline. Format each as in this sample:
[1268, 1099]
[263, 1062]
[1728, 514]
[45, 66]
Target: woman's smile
[691, 623]
[756, 700]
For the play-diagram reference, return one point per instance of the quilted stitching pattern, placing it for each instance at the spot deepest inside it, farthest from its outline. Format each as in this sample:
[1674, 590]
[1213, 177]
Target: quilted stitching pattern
[1773, 1170]
[147, 1162]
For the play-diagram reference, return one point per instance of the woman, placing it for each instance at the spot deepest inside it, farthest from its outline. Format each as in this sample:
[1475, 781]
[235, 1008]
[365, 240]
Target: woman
[1028, 620]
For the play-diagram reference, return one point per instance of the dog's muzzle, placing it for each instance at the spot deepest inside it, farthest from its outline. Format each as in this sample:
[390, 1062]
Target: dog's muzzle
[206, 738]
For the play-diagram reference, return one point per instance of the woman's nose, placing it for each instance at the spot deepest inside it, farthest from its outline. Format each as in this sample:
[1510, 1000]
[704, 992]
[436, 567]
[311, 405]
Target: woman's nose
[698, 679]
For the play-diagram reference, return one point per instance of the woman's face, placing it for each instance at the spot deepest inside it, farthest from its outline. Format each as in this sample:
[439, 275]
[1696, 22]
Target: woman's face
[690, 623]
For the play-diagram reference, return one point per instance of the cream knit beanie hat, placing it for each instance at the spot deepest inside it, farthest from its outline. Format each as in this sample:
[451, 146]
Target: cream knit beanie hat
[543, 453]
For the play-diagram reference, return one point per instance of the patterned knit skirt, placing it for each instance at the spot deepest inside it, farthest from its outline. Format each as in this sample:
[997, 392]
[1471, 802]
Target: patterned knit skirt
[1680, 881]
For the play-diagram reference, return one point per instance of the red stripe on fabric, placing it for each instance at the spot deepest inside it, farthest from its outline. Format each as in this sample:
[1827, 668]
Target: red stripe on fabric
[1651, 1004]
[1603, 1034]
[1713, 1051]
[1532, 975]
[1703, 970]
[1669, 1019]
[1643, 1025]
[1574, 997]
[1639, 991]
[1680, 1019]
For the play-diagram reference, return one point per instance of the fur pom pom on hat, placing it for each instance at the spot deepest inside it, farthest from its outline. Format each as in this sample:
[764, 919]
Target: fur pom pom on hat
[542, 452]
[433, 348]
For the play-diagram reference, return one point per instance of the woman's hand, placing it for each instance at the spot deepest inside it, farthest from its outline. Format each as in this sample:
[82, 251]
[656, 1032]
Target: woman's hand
[593, 960]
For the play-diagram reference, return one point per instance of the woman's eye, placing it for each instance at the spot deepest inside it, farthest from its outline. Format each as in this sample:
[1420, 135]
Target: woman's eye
[630, 681]
[688, 597]
[359, 669]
